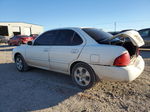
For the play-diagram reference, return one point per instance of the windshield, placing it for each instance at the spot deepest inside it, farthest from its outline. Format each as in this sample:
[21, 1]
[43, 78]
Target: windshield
[97, 35]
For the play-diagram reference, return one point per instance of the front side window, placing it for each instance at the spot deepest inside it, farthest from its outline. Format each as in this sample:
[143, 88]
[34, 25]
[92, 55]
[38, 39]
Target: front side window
[46, 38]
[68, 37]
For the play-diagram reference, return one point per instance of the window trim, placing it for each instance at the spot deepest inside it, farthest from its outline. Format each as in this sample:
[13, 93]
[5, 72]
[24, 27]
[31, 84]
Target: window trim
[55, 44]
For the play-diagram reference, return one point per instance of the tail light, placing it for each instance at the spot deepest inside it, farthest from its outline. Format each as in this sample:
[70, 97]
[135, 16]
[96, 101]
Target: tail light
[122, 60]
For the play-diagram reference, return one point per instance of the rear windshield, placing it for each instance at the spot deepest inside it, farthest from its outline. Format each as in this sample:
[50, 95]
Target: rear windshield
[96, 34]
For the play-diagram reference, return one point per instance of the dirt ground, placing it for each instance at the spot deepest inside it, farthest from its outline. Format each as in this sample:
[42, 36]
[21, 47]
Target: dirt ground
[44, 91]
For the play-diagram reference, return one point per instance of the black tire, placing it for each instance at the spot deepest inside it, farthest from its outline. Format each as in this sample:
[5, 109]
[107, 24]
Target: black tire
[80, 80]
[23, 65]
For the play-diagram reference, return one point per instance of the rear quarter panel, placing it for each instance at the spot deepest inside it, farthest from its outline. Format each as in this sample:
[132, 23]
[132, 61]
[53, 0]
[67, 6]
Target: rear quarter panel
[100, 54]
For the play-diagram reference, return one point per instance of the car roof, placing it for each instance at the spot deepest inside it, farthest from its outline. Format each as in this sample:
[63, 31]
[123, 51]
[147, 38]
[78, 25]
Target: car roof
[70, 28]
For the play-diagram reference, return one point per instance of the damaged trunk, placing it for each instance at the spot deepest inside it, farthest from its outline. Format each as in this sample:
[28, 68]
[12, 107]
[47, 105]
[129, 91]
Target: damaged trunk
[127, 44]
[130, 40]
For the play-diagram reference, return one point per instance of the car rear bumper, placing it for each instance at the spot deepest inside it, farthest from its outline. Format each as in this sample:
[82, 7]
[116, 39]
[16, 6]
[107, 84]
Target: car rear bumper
[128, 73]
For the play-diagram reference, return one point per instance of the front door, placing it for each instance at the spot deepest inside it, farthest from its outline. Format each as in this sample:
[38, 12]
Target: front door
[38, 53]
[38, 56]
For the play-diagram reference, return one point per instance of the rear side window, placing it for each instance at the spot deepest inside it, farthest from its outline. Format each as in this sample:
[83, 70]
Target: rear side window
[76, 39]
[68, 37]
[47, 38]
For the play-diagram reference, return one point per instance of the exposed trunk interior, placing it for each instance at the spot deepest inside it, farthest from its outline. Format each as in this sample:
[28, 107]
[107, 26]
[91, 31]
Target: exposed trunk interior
[127, 44]
[131, 48]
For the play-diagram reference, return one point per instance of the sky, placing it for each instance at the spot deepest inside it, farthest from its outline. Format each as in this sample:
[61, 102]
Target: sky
[103, 14]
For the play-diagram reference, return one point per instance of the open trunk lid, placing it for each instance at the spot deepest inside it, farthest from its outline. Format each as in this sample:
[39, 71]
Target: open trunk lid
[134, 36]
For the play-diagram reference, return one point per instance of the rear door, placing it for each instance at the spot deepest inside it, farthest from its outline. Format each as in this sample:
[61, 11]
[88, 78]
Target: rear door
[38, 53]
[67, 49]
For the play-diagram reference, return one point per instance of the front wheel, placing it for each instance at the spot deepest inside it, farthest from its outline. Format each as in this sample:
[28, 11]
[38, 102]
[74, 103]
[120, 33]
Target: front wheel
[83, 75]
[21, 64]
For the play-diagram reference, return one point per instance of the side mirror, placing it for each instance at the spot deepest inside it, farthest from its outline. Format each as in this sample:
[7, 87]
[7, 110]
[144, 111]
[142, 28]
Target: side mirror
[29, 43]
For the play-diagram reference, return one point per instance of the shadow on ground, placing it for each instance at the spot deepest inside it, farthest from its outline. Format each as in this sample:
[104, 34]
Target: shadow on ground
[6, 48]
[5, 45]
[33, 90]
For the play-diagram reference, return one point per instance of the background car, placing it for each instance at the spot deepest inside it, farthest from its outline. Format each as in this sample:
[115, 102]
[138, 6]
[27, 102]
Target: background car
[19, 39]
[127, 30]
[114, 33]
[86, 54]
[34, 35]
[117, 32]
[145, 33]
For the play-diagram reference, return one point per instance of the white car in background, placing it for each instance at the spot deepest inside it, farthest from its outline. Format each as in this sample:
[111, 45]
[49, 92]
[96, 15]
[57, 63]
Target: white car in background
[87, 54]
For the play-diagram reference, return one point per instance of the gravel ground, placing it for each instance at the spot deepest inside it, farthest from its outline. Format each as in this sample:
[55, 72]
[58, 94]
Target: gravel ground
[44, 91]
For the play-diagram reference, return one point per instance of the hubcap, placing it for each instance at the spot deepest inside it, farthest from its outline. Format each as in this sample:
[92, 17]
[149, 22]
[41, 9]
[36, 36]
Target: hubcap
[19, 63]
[82, 76]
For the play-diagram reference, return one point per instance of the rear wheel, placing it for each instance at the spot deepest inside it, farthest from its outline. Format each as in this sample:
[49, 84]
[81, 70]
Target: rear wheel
[83, 75]
[21, 64]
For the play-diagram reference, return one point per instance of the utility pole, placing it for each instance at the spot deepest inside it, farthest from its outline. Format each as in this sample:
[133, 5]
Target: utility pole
[115, 26]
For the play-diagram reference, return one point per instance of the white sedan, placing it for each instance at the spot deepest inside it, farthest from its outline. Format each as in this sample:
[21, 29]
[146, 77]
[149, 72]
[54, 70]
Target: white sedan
[87, 54]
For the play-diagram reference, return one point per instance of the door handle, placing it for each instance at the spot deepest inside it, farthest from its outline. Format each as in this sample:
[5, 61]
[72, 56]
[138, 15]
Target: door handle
[74, 51]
